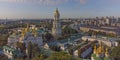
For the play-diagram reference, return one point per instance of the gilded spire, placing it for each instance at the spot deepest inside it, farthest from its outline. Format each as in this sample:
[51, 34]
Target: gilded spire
[106, 52]
[35, 32]
[56, 13]
[23, 33]
[27, 28]
[95, 49]
[97, 52]
[100, 47]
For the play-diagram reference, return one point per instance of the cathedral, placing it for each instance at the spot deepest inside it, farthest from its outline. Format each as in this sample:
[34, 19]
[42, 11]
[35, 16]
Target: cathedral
[56, 30]
[100, 53]
[25, 35]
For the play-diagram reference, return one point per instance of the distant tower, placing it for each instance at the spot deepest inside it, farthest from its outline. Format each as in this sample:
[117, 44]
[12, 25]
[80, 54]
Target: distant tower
[56, 30]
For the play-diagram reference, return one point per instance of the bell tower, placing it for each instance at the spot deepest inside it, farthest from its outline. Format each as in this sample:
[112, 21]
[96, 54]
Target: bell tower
[56, 29]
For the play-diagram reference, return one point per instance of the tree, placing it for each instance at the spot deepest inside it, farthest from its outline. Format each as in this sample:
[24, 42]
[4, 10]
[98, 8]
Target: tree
[3, 57]
[30, 50]
[21, 45]
[36, 50]
[55, 48]
[33, 50]
[39, 57]
[115, 53]
[61, 56]
[67, 32]
[48, 36]
[3, 39]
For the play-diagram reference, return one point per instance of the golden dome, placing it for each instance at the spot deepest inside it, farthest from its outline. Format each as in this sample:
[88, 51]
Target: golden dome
[106, 52]
[56, 13]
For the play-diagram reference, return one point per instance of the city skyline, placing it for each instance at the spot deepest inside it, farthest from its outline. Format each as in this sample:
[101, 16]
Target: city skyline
[68, 8]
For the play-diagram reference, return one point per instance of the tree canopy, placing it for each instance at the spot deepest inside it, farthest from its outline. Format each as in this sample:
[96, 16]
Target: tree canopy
[61, 56]
[116, 52]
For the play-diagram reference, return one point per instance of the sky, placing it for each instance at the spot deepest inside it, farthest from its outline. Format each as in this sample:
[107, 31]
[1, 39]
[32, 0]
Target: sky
[37, 9]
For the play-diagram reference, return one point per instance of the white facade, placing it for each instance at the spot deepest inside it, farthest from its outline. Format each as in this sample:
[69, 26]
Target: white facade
[76, 53]
[46, 46]
[8, 54]
[12, 40]
[88, 38]
[29, 37]
[109, 42]
[107, 21]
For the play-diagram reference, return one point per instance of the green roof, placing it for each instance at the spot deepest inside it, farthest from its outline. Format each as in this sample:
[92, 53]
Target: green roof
[15, 51]
[40, 31]
[1, 48]
[8, 48]
[72, 38]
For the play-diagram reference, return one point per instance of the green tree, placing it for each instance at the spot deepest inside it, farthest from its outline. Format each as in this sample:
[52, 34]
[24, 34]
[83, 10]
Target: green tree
[21, 45]
[61, 56]
[3, 39]
[116, 53]
[30, 50]
[2, 57]
[39, 57]
[48, 36]
[69, 30]
[33, 50]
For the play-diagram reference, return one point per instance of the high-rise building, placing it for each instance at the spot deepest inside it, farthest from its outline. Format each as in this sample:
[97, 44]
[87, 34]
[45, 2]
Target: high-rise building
[56, 30]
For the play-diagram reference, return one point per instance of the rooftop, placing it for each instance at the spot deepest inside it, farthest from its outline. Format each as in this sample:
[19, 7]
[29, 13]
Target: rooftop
[107, 28]
[15, 51]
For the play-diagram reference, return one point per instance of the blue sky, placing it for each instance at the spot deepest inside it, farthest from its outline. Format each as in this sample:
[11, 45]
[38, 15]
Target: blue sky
[68, 8]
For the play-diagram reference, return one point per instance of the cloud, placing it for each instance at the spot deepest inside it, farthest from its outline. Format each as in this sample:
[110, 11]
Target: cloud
[53, 2]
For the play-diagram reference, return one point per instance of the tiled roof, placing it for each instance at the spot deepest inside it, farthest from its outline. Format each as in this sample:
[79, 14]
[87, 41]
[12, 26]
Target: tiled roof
[40, 31]
[72, 37]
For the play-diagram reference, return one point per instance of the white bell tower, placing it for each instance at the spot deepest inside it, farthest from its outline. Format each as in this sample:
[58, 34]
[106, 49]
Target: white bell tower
[56, 30]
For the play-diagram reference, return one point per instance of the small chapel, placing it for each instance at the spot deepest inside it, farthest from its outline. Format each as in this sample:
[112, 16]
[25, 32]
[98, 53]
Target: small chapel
[100, 53]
